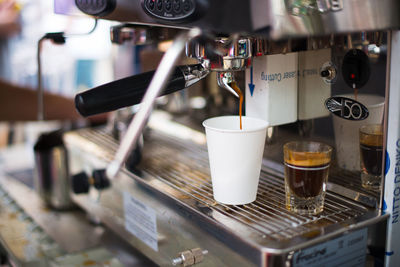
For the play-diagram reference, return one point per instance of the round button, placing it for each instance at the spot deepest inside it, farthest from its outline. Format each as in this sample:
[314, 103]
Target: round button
[151, 4]
[101, 180]
[177, 5]
[80, 183]
[168, 5]
[159, 5]
[187, 5]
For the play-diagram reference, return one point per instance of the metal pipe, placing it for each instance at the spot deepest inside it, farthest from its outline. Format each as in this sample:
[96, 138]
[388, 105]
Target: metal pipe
[40, 111]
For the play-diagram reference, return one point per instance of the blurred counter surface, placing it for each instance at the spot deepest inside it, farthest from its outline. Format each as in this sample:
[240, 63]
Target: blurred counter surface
[31, 234]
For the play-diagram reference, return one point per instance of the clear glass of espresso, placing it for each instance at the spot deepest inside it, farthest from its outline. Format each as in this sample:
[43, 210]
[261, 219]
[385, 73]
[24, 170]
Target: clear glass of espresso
[306, 174]
[371, 155]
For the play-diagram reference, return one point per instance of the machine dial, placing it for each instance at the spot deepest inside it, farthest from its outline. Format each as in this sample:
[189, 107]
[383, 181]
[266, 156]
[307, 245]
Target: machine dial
[80, 183]
[355, 68]
[174, 10]
[96, 7]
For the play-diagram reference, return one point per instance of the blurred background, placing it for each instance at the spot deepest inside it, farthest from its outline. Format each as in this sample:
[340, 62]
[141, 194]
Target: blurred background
[82, 62]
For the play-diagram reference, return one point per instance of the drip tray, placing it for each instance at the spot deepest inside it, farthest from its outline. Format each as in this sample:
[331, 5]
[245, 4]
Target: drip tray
[182, 167]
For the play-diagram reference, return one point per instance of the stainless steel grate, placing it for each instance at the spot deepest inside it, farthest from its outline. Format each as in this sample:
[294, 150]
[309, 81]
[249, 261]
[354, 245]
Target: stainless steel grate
[352, 181]
[184, 166]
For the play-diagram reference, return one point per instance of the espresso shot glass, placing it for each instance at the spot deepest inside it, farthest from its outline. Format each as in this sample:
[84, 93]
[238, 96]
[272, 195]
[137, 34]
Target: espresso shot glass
[306, 175]
[371, 155]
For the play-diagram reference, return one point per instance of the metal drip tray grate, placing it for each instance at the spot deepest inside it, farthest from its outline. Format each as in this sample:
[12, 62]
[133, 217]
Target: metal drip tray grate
[186, 169]
[351, 180]
[183, 167]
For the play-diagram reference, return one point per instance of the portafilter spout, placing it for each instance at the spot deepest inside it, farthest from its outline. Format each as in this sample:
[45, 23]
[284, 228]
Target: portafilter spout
[157, 84]
[224, 80]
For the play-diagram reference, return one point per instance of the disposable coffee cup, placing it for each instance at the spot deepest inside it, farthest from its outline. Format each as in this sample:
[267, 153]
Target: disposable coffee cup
[347, 131]
[235, 157]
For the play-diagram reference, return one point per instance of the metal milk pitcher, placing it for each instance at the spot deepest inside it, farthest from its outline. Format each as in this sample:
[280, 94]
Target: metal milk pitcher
[52, 181]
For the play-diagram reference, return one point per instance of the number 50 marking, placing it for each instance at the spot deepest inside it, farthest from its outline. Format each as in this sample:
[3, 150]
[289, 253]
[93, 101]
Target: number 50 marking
[350, 105]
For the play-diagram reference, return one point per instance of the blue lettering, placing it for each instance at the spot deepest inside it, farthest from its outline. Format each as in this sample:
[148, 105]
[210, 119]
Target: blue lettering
[395, 209]
[395, 218]
[397, 169]
[397, 157]
[263, 76]
[396, 191]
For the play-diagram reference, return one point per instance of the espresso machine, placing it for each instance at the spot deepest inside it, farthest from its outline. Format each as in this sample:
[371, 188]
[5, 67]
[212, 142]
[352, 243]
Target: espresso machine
[296, 61]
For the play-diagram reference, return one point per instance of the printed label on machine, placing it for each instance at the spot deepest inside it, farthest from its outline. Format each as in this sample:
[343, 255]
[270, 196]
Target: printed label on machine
[349, 250]
[312, 90]
[141, 221]
[272, 88]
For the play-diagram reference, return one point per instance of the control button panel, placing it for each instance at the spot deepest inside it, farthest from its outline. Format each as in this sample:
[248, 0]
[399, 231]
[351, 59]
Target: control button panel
[356, 69]
[96, 7]
[170, 10]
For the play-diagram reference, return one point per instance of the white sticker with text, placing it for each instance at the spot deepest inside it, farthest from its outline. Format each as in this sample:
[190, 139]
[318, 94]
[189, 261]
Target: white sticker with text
[141, 221]
[347, 250]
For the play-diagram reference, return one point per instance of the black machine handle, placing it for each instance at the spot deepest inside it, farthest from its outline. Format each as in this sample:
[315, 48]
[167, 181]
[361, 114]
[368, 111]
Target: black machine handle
[124, 92]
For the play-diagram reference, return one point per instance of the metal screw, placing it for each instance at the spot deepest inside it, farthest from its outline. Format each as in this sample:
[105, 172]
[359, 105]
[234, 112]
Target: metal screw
[329, 73]
[189, 257]
[177, 261]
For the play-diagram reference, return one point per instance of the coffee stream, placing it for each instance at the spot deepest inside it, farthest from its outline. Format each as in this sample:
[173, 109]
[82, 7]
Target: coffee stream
[355, 93]
[239, 92]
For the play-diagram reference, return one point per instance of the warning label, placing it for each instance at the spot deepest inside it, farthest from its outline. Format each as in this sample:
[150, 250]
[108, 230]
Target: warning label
[141, 221]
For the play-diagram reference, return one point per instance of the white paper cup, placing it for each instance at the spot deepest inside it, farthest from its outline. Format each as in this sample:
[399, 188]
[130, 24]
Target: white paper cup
[235, 157]
[346, 131]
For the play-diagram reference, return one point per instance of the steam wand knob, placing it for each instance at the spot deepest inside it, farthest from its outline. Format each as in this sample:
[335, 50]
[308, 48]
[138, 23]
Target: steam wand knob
[329, 72]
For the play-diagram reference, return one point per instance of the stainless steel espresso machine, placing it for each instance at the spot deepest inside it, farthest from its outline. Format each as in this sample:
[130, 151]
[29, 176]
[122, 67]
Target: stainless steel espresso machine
[305, 66]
